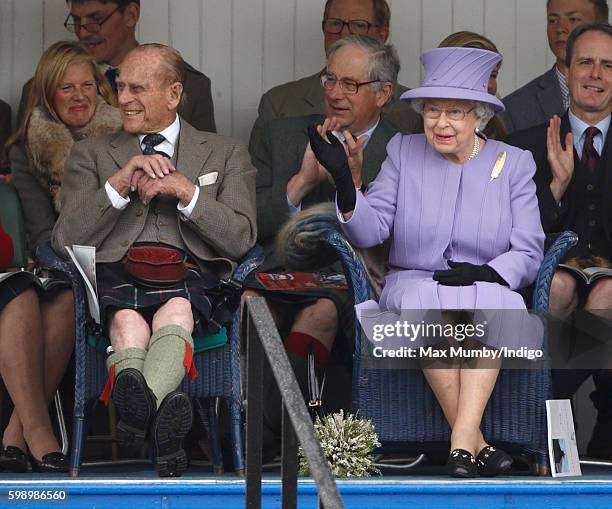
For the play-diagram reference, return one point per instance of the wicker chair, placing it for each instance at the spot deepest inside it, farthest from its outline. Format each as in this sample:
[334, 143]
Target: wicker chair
[218, 369]
[401, 404]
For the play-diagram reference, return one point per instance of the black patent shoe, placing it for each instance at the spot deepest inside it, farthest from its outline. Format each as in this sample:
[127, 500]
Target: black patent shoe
[136, 406]
[461, 463]
[13, 459]
[170, 426]
[491, 462]
[51, 462]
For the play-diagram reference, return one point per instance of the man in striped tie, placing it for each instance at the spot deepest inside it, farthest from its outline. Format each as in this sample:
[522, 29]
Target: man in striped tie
[574, 180]
[160, 193]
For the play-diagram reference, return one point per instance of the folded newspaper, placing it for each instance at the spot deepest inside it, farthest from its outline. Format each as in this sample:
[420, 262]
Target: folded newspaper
[84, 257]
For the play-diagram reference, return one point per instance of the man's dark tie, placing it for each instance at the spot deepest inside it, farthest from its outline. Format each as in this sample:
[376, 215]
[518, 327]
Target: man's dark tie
[590, 157]
[111, 76]
[150, 142]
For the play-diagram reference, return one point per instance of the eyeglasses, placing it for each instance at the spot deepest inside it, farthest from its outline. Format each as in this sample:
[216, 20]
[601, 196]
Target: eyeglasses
[355, 26]
[347, 86]
[433, 112]
[92, 27]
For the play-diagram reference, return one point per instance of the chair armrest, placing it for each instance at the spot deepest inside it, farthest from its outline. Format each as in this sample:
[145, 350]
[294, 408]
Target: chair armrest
[248, 264]
[557, 251]
[50, 259]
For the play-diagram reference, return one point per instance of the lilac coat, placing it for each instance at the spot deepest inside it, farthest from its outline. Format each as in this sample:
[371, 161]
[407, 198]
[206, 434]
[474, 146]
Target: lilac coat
[437, 211]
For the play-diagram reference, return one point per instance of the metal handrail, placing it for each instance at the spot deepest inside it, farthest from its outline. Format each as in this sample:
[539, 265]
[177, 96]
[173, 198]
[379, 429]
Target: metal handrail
[263, 338]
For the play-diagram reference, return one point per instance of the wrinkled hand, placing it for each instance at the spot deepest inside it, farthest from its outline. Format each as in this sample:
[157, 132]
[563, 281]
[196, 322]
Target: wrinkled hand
[333, 157]
[175, 184]
[561, 160]
[466, 274]
[153, 166]
[354, 152]
[311, 170]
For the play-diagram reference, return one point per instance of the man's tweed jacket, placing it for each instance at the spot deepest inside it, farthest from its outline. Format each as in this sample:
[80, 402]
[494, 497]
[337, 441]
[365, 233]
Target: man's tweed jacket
[221, 228]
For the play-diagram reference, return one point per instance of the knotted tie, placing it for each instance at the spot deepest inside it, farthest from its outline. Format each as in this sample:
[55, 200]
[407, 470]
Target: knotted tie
[590, 157]
[111, 76]
[150, 142]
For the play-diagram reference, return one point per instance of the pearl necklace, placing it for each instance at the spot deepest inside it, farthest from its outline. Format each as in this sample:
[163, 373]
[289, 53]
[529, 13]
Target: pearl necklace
[475, 150]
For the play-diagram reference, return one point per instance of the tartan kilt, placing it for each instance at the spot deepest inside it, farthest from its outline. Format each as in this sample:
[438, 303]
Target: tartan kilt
[344, 344]
[212, 308]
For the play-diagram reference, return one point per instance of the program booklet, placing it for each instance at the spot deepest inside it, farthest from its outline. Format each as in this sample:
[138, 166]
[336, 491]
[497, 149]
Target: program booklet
[84, 257]
[562, 448]
[589, 274]
[287, 281]
[47, 284]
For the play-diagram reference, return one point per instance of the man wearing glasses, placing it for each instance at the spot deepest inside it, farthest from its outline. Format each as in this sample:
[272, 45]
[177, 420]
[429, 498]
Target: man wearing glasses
[356, 85]
[107, 29]
[305, 96]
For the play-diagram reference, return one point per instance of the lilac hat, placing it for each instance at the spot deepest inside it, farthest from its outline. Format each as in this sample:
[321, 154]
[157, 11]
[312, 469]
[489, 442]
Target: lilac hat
[457, 73]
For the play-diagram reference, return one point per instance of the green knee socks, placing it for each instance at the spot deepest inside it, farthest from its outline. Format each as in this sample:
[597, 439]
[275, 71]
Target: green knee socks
[164, 367]
[128, 358]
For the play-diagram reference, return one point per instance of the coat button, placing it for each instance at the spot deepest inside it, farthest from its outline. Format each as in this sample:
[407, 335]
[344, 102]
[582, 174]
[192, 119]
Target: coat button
[591, 206]
[125, 243]
[592, 222]
[139, 212]
[589, 187]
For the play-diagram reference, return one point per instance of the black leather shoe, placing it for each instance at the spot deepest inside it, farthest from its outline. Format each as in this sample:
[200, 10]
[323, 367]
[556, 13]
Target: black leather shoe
[170, 426]
[491, 462]
[51, 462]
[13, 459]
[136, 406]
[461, 463]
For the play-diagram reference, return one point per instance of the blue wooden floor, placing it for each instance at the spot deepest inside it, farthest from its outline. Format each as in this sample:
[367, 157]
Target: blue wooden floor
[137, 486]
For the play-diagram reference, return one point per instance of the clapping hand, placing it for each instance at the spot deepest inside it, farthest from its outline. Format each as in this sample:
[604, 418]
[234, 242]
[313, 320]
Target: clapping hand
[332, 155]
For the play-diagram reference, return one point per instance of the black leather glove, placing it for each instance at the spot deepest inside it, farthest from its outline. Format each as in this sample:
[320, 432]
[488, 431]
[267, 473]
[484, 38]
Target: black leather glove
[333, 158]
[465, 274]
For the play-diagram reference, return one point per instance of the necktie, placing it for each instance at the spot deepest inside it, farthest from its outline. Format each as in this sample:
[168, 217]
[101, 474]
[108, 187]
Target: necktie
[111, 76]
[590, 157]
[150, 142]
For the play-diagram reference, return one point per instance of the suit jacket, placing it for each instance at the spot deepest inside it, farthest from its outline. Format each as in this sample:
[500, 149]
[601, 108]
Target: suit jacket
[557, 218]
[534, 103]
[279, 157]
[305, 97]
[221, 228]
[197, 107]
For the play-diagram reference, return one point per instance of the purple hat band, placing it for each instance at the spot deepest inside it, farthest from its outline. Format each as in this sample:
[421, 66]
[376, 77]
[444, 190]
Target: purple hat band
[457, 73]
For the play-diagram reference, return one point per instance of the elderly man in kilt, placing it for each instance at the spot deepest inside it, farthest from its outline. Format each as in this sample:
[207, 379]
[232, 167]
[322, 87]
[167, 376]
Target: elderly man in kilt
[159, 192]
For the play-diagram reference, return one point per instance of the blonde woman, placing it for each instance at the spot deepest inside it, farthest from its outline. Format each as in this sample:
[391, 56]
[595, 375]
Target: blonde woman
[70, 100]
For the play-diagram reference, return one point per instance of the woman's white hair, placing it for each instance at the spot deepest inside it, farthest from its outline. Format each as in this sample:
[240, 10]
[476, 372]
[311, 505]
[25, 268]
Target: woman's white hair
[484, 111]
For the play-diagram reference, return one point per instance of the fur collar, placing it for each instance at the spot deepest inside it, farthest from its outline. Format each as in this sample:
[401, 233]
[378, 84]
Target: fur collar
[49, 143]
[301, 246]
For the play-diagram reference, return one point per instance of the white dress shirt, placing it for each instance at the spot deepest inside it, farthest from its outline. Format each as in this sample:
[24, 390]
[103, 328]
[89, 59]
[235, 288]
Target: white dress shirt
[171, 134]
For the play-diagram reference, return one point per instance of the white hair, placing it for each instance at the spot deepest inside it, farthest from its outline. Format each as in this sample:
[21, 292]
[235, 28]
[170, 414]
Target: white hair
[484, 111]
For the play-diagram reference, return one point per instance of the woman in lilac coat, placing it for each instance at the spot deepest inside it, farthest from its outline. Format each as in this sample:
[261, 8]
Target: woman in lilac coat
[466, 233]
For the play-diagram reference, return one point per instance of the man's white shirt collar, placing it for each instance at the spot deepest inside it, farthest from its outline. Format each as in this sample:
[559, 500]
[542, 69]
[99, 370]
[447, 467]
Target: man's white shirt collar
[368, 132]
[171, 133]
